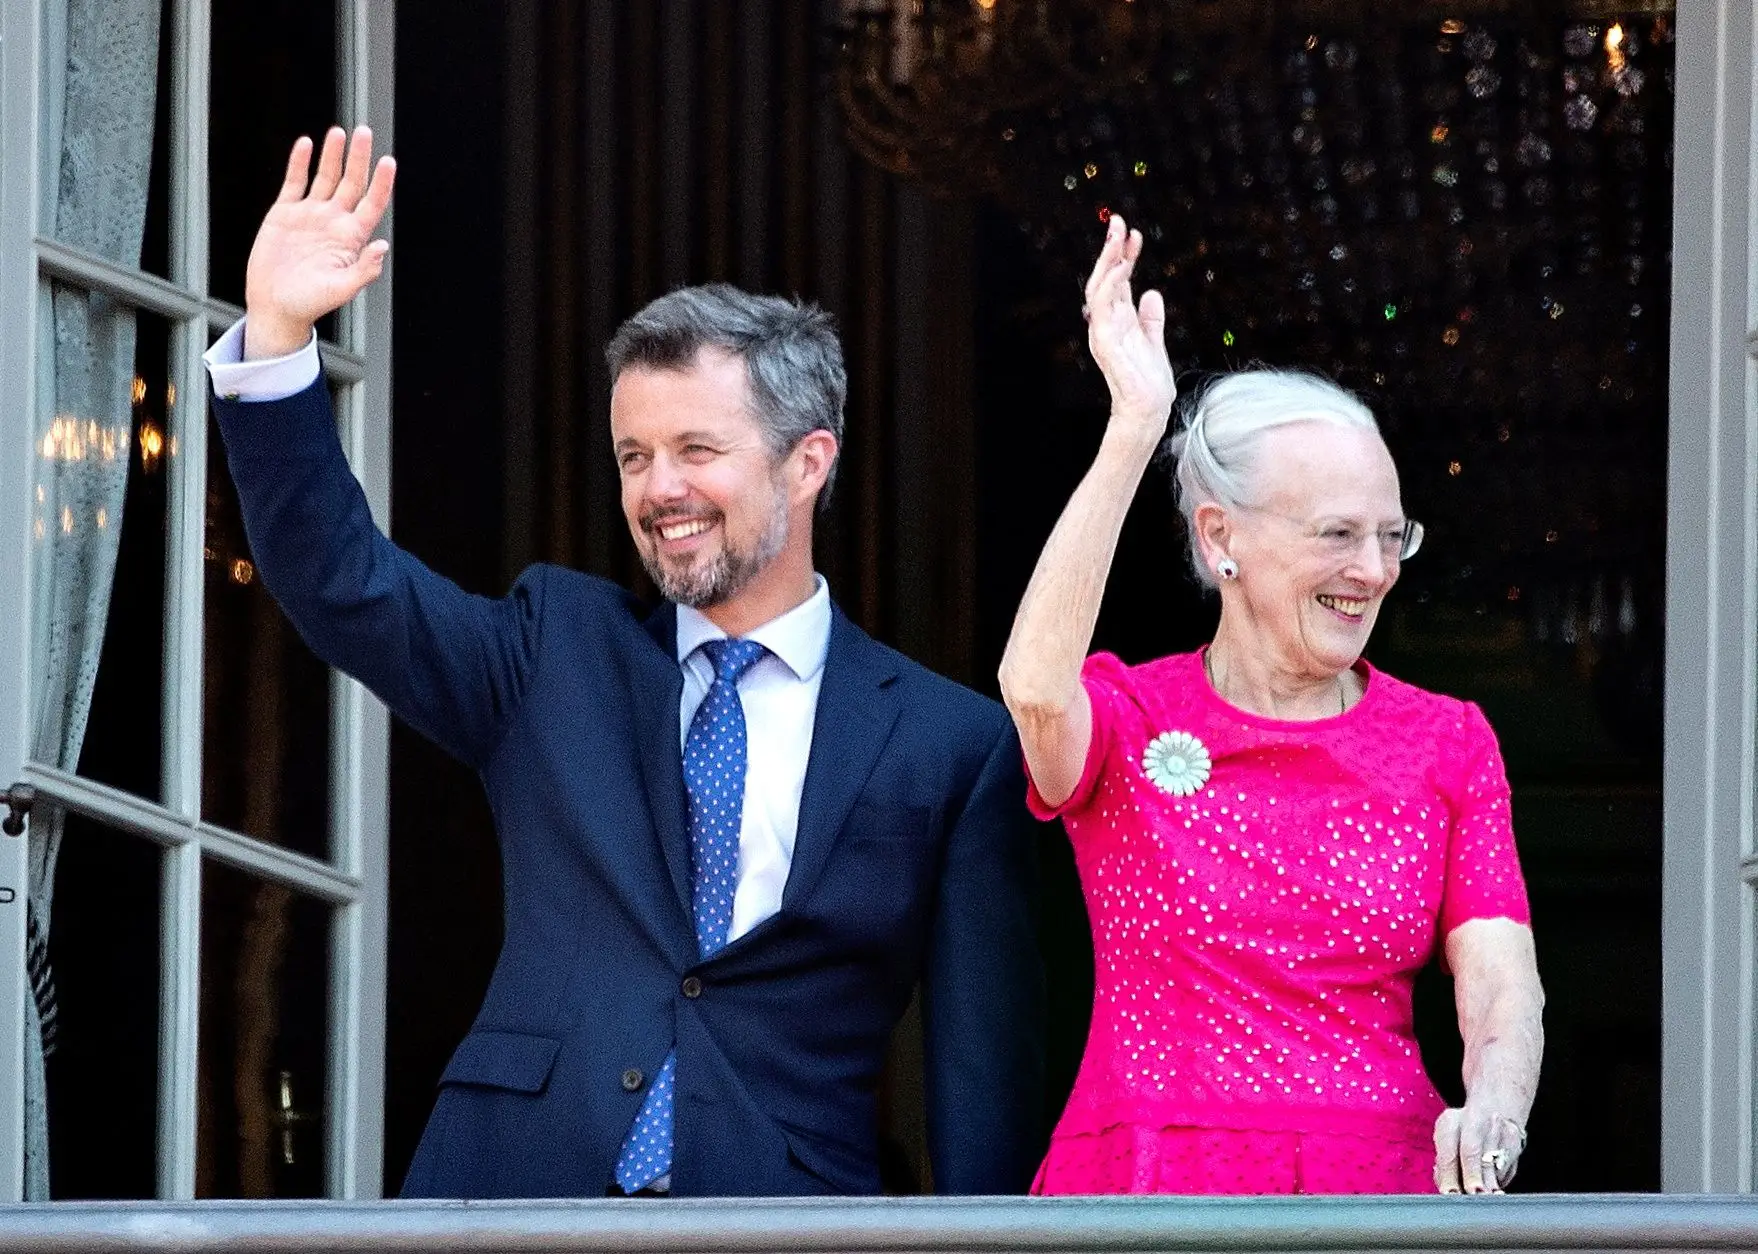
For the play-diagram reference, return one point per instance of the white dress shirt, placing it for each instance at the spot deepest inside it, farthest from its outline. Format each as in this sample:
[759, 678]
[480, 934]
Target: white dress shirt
[779, 692]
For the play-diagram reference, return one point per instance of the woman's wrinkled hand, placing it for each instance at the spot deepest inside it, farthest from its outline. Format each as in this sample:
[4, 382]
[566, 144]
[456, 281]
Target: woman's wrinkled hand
[1477, 1150]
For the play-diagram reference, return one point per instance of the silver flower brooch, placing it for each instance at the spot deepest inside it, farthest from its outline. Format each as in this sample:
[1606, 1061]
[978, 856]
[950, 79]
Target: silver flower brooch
[1177, 762]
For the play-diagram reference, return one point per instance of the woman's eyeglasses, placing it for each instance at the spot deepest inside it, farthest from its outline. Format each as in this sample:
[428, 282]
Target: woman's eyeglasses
[1397, 544]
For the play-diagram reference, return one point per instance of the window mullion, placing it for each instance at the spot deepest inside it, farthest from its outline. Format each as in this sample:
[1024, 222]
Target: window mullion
[360, 730]
[18, 297]
[180, 930]
[342, 1156]
[131, 286]
[168, 300]
[125, 812]
[354, 107]
[179, 993]
[1711, 651]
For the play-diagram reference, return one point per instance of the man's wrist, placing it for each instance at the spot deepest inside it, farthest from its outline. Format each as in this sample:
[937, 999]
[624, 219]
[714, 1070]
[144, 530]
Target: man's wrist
[270, 379]
[266, 338]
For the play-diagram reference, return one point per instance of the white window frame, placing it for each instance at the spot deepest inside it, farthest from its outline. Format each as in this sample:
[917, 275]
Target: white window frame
[1710, 1034]
[354, 880]
[1710, 869]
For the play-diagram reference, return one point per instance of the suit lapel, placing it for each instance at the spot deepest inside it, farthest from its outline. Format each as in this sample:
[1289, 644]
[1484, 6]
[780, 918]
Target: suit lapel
[656, 697]
[857, 707]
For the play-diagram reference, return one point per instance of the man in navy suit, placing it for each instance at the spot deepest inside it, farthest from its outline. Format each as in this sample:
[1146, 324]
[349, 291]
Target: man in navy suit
[735, 832]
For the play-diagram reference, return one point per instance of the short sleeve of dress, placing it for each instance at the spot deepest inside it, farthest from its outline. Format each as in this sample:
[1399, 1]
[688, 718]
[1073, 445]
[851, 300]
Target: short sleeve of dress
[1483, 869]
[1115, 711]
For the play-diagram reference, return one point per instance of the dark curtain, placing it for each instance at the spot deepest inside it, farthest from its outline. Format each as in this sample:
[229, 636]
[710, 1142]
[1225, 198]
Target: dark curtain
[668, 142]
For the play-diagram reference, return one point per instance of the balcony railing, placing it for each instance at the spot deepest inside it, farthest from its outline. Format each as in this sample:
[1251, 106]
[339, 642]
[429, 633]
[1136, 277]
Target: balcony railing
[894, 1226]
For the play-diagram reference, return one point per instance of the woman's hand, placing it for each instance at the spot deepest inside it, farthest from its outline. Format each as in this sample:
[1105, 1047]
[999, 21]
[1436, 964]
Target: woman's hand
[315, 252]
[1129, 342]
[1476, 1149]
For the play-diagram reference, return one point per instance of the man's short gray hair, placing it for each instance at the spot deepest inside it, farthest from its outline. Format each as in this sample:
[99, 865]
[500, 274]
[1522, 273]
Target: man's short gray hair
[790, 350]
[1217, 445]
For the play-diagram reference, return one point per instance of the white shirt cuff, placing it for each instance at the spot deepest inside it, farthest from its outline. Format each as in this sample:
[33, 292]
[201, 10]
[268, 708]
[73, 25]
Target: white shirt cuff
[268, 379]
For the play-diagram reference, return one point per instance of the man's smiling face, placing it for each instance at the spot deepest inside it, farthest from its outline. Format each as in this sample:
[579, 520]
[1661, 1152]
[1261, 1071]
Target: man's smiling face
[701, 488]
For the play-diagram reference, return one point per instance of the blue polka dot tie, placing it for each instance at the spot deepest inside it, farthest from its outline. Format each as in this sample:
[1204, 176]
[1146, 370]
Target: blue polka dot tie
[714, 779]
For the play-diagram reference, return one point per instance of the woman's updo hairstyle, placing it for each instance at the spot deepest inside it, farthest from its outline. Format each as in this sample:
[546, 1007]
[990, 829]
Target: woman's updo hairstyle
[1223, 425]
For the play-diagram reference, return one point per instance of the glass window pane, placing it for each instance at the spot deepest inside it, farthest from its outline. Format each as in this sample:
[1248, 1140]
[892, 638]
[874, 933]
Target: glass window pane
[98, 539]
[103, 1068]
[274, 79]
[265, 696]
[100, 92]
[261, 1070]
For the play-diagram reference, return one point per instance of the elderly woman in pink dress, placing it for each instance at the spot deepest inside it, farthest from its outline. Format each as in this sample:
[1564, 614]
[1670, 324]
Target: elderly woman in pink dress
[1273, 837]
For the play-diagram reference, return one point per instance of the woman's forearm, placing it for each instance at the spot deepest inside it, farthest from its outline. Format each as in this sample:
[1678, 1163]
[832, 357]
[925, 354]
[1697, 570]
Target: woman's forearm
[1503, 1053]
[1501, 1020]
[1040, 670]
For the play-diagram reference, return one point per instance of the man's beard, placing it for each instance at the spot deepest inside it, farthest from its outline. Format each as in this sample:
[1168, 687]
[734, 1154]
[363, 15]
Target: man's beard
[715, 582]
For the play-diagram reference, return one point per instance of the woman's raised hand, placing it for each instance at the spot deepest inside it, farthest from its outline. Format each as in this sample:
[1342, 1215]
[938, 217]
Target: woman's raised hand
[315, 251]
[1129, 342]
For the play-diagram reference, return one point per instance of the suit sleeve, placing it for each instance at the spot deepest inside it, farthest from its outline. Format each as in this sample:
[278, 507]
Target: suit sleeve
[983, 998]
[451, 664]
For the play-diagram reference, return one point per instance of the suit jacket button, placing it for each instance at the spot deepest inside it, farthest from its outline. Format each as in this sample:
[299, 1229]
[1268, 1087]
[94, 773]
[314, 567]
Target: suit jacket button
[633, 1080]
[692, 986]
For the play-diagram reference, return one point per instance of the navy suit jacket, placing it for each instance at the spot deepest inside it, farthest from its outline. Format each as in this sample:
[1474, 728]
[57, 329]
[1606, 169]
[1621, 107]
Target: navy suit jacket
[912, 864]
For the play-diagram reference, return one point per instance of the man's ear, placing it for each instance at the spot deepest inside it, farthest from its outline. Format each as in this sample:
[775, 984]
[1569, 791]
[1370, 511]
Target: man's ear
[813, 458]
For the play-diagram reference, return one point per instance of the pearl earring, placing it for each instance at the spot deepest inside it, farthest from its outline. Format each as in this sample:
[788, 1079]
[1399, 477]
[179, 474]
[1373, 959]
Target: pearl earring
[1227, 568]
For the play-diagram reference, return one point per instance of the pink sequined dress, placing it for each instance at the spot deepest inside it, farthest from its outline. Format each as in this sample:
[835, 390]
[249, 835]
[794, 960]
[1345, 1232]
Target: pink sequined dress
[1262, 895]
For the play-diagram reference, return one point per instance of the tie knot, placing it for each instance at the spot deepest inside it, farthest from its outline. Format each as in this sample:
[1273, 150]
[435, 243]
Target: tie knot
[732, 658]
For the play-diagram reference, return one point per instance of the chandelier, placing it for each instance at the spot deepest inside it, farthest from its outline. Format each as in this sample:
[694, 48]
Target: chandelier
[923, 82]
[934, 90]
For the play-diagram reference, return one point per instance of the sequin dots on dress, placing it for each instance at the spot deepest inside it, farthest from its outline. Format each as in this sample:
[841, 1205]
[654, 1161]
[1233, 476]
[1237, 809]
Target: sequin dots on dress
[1262, 894]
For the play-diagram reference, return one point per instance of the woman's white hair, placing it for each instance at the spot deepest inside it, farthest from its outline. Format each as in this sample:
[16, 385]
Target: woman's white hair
[1216, 446]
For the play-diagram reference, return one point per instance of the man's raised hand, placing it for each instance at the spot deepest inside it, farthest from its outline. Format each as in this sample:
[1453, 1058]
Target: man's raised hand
[315, 251]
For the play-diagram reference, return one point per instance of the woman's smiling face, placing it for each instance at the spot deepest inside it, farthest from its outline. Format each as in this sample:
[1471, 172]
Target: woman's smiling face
[1318, 548]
